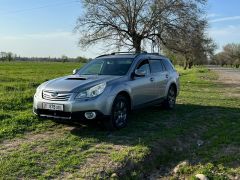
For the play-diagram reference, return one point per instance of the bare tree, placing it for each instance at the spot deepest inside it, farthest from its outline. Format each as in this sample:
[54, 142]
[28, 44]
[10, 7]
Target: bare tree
[190, 44]
[132, 23]
[229, 56]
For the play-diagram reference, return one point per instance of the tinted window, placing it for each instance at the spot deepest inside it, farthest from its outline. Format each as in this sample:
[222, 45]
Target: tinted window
[144, 65]
[167, 64]
[156, 66]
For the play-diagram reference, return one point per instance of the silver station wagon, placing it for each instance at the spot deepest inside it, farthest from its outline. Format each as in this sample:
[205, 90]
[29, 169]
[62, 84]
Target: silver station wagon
[108, 88]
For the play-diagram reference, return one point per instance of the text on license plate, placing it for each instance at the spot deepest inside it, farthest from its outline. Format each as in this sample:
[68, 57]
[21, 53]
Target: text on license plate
[55, 107]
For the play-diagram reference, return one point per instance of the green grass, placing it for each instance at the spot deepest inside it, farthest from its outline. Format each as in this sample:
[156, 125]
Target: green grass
[32, 148]
[18, 82]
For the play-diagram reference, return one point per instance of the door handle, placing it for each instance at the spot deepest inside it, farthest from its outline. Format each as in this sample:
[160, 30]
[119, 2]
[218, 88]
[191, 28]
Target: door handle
[166, 75]
[151, 79]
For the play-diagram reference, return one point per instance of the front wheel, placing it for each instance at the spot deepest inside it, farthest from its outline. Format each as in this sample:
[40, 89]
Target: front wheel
[119, 115]
[170, 101]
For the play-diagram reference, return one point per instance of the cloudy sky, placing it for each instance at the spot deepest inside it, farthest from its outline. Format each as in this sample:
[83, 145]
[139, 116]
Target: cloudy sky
[45, 27]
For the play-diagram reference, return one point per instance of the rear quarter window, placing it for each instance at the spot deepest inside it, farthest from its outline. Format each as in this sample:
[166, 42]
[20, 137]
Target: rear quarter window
[168, 65]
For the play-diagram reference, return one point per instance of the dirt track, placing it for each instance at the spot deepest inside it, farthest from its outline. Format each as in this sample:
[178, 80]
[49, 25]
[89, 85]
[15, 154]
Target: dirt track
[229, 78]
[227, 75]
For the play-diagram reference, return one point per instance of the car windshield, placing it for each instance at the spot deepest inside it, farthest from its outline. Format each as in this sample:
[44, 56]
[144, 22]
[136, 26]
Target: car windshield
[116, 66]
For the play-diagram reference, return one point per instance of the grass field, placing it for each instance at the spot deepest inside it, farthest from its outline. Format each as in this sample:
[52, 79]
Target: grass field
[203, 131]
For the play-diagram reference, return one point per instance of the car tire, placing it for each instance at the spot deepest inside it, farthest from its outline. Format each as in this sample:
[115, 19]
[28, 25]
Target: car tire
[170, 101]
[119, 115]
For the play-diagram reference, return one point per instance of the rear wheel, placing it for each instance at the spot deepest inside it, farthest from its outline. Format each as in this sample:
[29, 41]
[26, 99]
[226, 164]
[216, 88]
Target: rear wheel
[170, 101]
[119, 115]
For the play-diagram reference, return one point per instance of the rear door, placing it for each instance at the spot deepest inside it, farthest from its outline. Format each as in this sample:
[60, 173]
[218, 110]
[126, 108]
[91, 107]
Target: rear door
[160, 76]
[171, 72]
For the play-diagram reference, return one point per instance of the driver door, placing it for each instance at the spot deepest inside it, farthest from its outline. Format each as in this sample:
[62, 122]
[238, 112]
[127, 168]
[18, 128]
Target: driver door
[143, 88]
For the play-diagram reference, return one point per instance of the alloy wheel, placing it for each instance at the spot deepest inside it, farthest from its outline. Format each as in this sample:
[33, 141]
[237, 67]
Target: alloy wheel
[171, 97]
[120, 113]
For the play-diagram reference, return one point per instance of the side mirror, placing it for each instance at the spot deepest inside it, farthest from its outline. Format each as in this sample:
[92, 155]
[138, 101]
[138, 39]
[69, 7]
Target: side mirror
[75, 71]
[140, 73]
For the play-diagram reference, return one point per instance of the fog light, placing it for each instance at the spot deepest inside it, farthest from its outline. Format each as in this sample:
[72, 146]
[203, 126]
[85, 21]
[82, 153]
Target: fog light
[90, 115]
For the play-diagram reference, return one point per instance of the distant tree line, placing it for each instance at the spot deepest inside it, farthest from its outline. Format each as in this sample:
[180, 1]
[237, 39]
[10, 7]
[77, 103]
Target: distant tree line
[9, 56]
[230, 56]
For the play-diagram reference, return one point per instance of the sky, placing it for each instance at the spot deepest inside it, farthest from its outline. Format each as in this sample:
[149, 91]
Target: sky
[43, 28]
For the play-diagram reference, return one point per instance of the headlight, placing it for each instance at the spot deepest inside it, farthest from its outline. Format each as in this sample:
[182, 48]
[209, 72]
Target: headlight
[38, 91]
[92, 92]
[40, 88]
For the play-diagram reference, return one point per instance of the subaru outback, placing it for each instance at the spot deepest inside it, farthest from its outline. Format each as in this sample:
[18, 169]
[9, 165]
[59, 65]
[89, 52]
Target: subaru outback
[108, 88]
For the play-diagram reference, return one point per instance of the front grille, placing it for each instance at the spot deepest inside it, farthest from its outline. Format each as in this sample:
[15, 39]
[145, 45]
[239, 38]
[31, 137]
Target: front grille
[56, 96]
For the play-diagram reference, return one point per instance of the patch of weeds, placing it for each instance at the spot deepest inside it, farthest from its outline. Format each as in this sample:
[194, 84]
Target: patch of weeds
[134, 154]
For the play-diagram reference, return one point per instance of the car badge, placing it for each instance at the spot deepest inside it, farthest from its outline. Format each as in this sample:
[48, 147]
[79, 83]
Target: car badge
[54, 94]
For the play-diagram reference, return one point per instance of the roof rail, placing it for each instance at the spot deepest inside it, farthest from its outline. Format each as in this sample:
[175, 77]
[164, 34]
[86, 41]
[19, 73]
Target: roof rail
[102, 55]
[154, 53]
[131, 52]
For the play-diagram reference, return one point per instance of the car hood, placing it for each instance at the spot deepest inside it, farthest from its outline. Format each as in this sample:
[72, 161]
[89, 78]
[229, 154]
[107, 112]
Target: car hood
[75, 83]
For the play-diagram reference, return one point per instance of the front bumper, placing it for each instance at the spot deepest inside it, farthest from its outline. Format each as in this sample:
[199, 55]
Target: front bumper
[72, 109]
[78, 116]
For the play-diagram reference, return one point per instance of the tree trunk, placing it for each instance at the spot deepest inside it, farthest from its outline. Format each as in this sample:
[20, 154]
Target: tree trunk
[190, 64]
[137, 44]
[186, 63]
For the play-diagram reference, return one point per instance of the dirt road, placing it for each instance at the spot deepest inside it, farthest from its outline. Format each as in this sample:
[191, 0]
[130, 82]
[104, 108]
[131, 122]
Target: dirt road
[227, 75]
[229, 78]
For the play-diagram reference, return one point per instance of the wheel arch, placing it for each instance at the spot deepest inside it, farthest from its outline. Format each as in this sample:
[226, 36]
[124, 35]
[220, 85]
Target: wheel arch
[127, 95]
[172, 84]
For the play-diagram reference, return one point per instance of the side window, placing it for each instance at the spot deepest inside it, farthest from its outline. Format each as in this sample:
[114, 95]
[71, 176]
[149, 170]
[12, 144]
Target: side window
[156, 66]
[167, 65]
[144, 65]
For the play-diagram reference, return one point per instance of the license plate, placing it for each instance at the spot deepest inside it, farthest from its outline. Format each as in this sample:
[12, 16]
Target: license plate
[55, 107]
